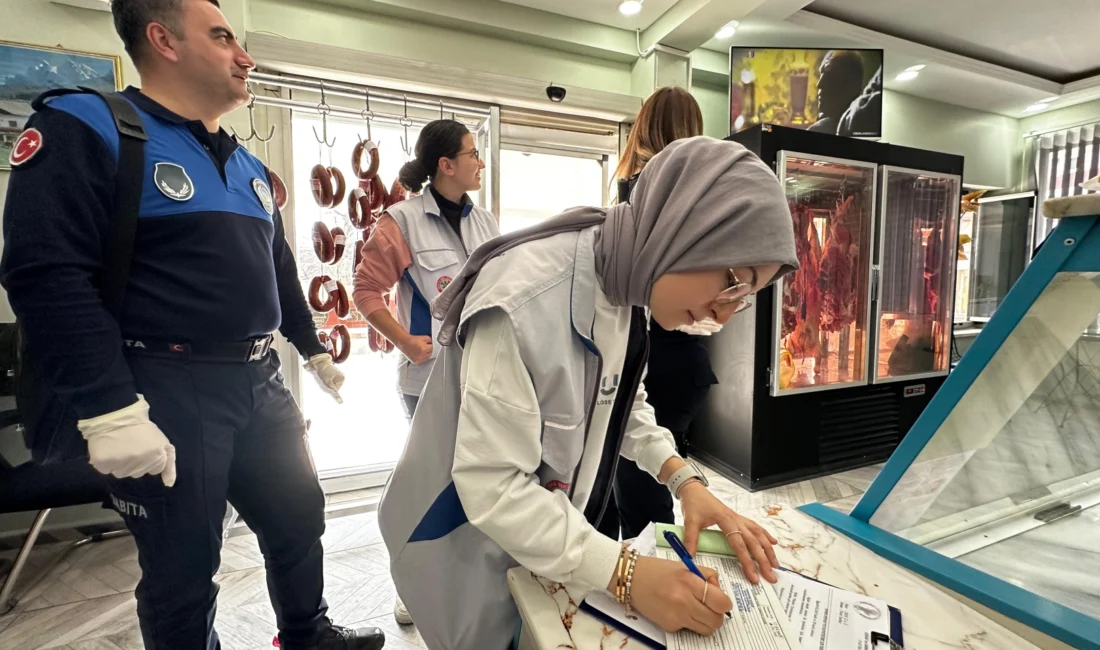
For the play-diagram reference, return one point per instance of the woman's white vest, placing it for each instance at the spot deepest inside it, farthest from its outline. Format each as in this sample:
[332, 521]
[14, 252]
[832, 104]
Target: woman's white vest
[450, 574]
[437, 255]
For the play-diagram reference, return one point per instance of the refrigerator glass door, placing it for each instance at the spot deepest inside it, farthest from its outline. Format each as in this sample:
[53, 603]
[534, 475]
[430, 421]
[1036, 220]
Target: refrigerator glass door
[917, 255]
[821, 317]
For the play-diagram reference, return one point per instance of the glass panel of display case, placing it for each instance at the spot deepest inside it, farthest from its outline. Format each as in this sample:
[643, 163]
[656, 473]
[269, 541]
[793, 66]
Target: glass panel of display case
[1014, 470]
[821, 318]
[917, 257]
[965, 257]
[1002, 252]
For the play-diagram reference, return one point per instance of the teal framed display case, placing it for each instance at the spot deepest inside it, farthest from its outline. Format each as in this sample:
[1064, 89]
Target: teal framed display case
[995, 492]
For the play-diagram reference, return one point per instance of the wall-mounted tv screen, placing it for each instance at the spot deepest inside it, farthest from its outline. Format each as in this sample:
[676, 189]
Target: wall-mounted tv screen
[830, 91]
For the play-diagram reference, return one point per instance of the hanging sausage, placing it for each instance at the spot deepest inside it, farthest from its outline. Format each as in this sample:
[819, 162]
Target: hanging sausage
[320, 182]
[359, 208]
[338, 187]
[332, 294]
[367, 170]
[341, 343]
[323, 245]
[338, 242]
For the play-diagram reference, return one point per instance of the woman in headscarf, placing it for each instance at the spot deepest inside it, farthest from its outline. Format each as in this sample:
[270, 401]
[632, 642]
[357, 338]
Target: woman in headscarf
[538, 392]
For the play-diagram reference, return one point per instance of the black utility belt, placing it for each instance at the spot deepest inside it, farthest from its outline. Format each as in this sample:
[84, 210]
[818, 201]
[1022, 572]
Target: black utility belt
[236, 352]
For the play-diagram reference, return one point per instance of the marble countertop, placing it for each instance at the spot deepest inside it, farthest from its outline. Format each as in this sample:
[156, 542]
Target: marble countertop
[932, 620]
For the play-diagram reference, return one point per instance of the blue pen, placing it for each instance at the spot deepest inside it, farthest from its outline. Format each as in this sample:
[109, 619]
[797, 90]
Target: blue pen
[678, 546]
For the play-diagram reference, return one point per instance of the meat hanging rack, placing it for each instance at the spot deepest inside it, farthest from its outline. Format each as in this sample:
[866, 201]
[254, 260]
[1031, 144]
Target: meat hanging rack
[462, 112]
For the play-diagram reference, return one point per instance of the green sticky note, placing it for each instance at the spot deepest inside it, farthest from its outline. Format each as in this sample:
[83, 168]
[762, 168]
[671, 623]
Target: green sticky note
[710, 541]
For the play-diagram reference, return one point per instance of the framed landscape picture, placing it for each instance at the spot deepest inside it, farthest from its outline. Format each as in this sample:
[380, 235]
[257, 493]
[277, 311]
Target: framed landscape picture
[27, 71]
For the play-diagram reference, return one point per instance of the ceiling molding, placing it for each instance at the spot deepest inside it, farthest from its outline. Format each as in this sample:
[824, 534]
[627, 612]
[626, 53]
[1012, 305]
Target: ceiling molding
[924, 52]
[277, 54]
[511, 22]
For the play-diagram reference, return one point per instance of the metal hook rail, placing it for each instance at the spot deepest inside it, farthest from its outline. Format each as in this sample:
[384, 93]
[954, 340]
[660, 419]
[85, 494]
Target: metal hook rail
[252, 133]
[324, 109]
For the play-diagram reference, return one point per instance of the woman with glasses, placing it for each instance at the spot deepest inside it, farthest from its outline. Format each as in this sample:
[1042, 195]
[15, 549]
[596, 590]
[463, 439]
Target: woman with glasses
[419, 245]
[537, 394]
[679, 374]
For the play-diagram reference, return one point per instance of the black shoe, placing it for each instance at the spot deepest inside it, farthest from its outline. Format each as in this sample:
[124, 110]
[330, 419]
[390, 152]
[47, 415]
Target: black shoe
[336, 637]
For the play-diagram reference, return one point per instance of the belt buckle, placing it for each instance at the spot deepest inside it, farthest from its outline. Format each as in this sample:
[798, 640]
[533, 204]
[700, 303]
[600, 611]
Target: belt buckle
[259, 349]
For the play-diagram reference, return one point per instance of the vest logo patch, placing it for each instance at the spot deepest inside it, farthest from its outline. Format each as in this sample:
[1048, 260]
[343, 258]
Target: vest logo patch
[25, 148]
[263, 193]
[128, 508]
[173, 181]
[605, 390]
[557, 485]
[442, 283]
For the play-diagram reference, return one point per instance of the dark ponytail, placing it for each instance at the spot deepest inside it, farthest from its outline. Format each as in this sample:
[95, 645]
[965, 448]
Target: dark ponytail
[438, 139]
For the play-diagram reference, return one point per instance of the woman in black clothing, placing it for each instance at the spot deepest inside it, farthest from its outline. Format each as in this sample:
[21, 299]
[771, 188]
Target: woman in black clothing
[679, 374]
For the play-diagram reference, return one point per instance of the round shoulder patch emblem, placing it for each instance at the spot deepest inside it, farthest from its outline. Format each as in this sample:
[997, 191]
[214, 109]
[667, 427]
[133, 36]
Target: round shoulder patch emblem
[173, 181]
[25, 147]
[263, 193]
[442, 283]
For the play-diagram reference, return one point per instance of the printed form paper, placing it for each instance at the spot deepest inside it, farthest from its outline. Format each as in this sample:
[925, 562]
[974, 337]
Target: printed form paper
[827, 618]
[758, 621]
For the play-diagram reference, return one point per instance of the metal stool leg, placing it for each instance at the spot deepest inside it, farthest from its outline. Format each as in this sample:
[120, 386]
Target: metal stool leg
[7, 600]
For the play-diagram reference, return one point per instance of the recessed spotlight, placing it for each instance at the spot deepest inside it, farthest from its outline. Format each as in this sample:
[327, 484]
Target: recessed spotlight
[728, 30]
[1047, 100]
[1034, 108]
[630, 7]
[908, 75]
[915, 68]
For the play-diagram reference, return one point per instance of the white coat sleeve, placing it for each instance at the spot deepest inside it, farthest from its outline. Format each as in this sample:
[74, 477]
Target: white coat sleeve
[498, 449]
[646, 442]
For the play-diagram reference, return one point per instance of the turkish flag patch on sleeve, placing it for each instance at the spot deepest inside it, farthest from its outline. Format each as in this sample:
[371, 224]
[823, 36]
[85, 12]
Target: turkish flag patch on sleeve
[26, 147]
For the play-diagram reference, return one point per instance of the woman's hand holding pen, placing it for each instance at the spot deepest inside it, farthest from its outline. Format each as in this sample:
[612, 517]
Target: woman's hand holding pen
[667, 593]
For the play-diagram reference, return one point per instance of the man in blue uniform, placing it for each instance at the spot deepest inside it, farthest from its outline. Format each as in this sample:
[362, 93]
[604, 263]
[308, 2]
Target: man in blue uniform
[180, 400]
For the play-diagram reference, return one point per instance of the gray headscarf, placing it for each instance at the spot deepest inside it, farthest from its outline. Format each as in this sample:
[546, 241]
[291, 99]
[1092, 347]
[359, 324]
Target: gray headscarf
[700, 204]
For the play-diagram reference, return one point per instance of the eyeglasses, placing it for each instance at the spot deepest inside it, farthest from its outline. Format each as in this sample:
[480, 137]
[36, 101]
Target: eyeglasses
[473, 152]
[737, 292]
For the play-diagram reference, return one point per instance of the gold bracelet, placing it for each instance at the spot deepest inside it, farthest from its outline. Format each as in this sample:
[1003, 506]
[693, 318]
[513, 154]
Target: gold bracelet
[630, 580]
[620, 577]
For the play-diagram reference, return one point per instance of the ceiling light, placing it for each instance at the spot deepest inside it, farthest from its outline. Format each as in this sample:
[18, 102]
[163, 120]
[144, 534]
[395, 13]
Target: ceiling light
[1047, 100]
[1036, 107]
[915, 68]
[907, 75]
[630, 7]
[728, 30]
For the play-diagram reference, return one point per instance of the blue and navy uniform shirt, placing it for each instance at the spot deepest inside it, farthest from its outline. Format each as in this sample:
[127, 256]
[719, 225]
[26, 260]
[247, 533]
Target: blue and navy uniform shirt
[211, 262]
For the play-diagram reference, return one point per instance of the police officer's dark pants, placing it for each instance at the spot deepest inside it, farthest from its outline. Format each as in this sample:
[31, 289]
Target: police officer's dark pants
[239, 436]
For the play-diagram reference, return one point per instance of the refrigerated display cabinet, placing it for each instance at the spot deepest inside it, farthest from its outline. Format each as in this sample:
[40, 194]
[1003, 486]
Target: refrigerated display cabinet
[834, 362]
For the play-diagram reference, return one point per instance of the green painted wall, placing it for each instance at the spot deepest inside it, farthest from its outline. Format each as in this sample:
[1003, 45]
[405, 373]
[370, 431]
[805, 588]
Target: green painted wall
[714, 102]
[341, 27]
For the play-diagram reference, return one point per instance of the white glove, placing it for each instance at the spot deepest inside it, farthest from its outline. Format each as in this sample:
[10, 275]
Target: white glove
[704, 327]
[126, 444]
[327, 374]
[1092, 184]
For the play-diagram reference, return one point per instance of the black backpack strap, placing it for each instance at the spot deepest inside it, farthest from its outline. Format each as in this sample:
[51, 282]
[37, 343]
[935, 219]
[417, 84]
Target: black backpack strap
[118, 249]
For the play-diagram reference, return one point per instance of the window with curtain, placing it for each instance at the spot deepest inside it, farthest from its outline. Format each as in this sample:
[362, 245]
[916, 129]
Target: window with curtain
[1061, 161]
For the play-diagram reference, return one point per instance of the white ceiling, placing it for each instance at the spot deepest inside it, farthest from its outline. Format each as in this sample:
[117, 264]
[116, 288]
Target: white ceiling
[1053, 39]
[997, 56]
[603, 12]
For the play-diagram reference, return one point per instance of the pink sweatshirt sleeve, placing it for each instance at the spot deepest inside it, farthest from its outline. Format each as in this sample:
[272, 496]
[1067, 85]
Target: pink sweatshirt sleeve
[385, 258]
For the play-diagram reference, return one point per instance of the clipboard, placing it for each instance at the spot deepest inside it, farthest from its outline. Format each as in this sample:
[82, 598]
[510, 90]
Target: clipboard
[610, 621]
